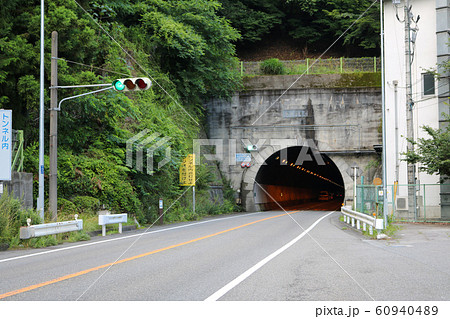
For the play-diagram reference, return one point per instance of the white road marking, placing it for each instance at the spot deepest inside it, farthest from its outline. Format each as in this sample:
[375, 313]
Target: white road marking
[400, 246]
[221, 292]
[121, 238]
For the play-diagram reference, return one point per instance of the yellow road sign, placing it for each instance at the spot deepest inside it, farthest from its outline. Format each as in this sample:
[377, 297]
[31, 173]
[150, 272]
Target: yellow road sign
[187, 171]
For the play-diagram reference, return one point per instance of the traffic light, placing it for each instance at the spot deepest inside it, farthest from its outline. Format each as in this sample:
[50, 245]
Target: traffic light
[252, 148]
[132, 84]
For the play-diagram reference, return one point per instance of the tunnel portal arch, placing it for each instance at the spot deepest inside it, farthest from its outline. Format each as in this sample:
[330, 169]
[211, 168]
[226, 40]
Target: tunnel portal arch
[295, 181]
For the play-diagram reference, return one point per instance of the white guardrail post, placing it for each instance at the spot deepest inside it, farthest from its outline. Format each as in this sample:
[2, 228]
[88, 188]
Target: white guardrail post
[104, 220]
[350, 216]
[31, 231]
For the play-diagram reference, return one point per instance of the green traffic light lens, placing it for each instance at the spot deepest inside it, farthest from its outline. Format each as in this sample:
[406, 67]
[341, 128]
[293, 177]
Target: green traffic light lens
[118, 86]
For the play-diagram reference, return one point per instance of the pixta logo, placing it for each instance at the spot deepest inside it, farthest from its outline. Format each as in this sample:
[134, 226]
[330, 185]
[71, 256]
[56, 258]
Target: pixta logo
[144, 143]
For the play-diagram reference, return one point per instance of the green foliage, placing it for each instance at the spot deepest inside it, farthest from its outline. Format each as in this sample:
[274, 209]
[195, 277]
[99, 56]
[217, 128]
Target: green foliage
[44, 241]
[184, 46]
[272, 67]
[100, 175]
[80, 235]
[253, 19]
[313, 24]
[87, 204]
[194, 45]
[66, 207]
[432, 154]
[13, 216]
[321, 21]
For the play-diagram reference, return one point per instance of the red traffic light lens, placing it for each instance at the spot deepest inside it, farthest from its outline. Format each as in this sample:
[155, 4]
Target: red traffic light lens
[141, 83]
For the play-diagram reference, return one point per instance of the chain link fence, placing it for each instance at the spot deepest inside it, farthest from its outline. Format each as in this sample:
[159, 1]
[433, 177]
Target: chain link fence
[319, 66]
[418, 202]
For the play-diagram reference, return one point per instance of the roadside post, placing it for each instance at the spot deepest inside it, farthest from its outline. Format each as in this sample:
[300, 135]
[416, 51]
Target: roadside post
[161, 213]
[354, 171]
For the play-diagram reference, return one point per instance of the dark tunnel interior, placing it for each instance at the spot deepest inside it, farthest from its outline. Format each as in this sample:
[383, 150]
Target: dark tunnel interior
[299, 178]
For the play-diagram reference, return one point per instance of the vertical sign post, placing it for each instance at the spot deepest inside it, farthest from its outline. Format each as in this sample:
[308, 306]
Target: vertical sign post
[161, 213]
[5, 144]
[187, 175]
[53, 167]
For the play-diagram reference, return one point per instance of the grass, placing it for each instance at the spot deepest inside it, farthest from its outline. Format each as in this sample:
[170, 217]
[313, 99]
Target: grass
[391, 230]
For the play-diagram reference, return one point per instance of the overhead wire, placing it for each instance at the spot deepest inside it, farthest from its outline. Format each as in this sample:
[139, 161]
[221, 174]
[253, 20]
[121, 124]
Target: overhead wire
[315, 61]
[91, 66]
[137, 63]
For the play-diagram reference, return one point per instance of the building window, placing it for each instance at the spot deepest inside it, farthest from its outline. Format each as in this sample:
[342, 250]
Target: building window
[428, 83]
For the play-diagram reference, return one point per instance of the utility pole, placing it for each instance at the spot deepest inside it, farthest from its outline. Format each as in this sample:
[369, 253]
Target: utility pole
[40, 200]
[411, 168]
[383, 110]
[53, 175]
[397, 160]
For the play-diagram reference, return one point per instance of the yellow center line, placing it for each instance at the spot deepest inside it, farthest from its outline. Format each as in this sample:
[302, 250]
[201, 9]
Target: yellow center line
[83, 272]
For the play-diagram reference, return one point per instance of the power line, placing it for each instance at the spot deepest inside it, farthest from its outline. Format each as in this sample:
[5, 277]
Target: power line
[282, 94]
[91, 66]
[137, 63]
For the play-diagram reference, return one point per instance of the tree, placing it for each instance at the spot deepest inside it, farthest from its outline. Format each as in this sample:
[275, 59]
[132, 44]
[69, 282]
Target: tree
[254, 19]
[194, 45]
[318, 21]
[432, 154]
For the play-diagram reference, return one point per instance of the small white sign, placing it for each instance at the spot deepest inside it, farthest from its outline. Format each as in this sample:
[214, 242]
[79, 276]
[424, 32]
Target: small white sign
[5, 144]
[160, 204]
[243, 157]
[1, 188]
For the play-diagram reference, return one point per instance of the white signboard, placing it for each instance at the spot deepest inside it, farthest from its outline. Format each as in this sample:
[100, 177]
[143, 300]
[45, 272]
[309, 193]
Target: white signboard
[5, 144]
[243, 157]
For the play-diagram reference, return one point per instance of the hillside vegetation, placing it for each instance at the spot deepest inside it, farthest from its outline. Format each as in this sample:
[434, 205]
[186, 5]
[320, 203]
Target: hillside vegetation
[186, 47]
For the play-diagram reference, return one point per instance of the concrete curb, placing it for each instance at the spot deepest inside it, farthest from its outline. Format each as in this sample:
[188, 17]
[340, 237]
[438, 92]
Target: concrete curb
[124, 228]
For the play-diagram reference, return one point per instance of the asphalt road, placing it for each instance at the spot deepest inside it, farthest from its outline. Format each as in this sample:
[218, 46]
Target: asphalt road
[306, 255]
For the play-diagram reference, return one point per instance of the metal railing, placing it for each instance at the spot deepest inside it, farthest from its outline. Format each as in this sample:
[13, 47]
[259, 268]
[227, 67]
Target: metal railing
[429, 202]
[32, 231]
[350, 216]
[17, 151]
[318, 66]
[104, 220]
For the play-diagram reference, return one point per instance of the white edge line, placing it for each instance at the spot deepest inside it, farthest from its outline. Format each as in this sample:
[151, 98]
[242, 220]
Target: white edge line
[221, 292]
[126, 237]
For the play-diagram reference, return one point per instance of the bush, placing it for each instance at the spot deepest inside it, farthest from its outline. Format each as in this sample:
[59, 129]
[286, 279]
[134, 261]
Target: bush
[12, 217]
[66, 207]
[272, 67]
[86, 204]
[80, 235]
[43, 241]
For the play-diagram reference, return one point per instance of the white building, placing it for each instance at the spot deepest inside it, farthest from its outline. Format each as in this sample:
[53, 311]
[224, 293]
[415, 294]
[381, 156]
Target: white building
[429, 47]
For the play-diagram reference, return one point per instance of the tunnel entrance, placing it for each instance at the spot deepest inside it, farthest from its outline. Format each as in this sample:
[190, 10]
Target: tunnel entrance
[299, 178]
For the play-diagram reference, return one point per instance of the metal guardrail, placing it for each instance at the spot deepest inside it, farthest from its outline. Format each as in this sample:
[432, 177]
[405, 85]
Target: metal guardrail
[31, 231]
[350, 216]
[104, 220]
[17, 163]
